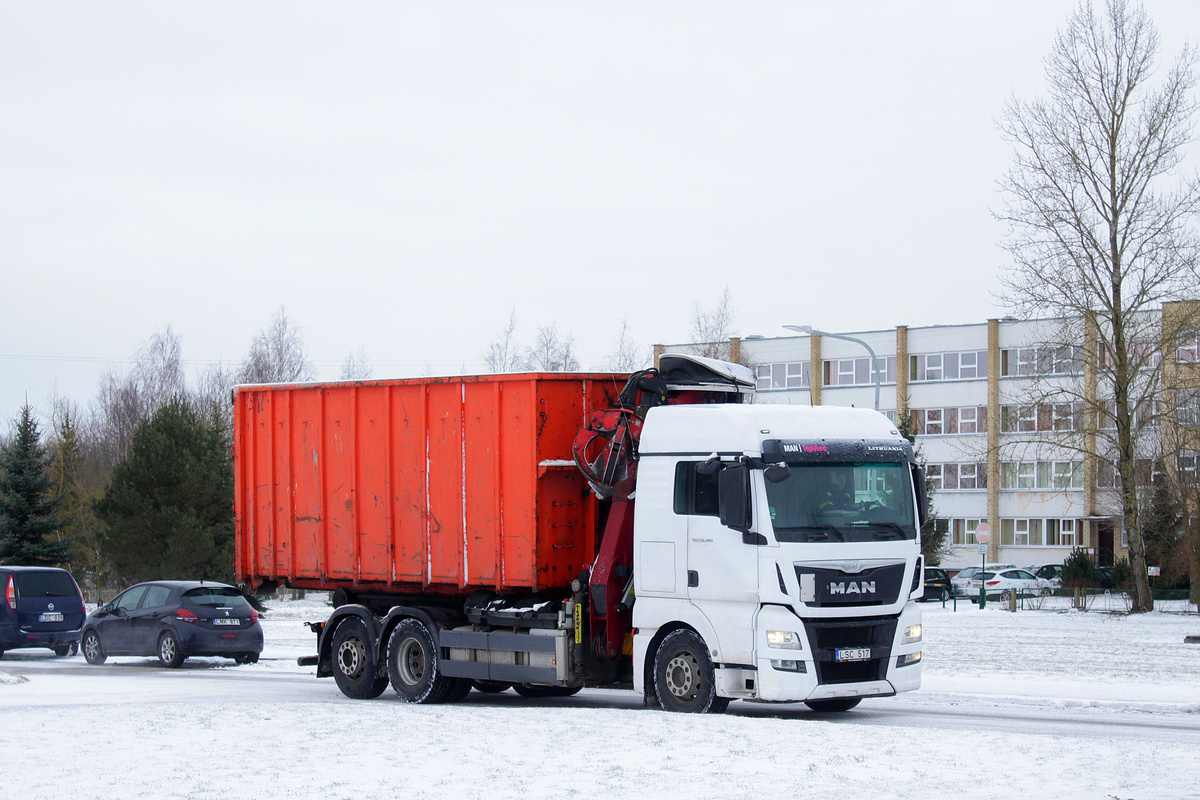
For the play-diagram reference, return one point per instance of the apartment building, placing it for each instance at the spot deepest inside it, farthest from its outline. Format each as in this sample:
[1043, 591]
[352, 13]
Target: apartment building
[997, 451]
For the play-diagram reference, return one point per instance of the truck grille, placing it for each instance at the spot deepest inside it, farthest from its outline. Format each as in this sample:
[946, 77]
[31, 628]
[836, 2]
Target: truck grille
[827, 637]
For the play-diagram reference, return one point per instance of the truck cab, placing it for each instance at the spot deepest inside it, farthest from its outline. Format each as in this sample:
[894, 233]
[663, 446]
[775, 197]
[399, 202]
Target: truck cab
[777, 557]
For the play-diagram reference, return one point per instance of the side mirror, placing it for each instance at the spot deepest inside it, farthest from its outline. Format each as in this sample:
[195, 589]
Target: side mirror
[918, 476]
[733, 497]
[709, 466]
[777, 473]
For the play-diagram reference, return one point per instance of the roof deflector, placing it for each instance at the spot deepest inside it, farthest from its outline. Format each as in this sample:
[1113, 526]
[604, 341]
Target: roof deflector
[682, 371]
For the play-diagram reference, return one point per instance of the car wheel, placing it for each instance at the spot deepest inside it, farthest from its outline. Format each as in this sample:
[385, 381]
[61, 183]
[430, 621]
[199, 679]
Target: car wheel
[169, 651]
[683, 675]
[530, 690]
[1006, 596]
[93, 651]
[833, 706]
[246, 658]
[945, 595]
[491, 687]
[354, 666]
[63, 652]
[412, 664]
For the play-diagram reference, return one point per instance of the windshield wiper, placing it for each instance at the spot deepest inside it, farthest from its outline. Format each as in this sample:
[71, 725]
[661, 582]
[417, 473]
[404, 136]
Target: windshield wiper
[818, 533]
[893, 531]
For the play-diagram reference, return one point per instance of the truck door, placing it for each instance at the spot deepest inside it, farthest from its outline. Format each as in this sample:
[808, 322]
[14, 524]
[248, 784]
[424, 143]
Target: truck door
[722, 569]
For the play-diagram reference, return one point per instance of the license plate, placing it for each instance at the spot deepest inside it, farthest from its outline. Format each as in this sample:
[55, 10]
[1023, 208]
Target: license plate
[51, 616]
[226, 621]
[853, 654]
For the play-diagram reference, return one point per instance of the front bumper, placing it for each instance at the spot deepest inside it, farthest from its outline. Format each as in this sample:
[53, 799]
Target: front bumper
[813, 672]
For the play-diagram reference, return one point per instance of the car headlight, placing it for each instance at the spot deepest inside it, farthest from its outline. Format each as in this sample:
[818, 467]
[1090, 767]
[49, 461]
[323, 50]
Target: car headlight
[784, 640]
[912, 634]
[911, 658]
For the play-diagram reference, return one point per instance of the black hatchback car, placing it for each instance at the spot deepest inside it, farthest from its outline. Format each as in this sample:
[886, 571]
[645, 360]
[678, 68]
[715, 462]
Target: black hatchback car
[937, 585]
[39, 607]
[174, 620]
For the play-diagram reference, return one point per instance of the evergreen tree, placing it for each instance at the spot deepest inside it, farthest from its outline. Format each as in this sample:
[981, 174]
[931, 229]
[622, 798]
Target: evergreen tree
[168, 512]
[28, 503]
[933, 539]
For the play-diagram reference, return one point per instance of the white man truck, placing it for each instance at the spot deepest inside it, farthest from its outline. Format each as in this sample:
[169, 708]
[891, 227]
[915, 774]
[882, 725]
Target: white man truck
[689, 545]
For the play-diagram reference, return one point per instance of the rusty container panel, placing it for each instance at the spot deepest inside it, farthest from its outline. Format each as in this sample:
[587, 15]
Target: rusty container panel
[441, 485]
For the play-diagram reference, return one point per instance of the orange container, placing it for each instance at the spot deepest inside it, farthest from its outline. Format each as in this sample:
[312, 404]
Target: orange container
[434, 485]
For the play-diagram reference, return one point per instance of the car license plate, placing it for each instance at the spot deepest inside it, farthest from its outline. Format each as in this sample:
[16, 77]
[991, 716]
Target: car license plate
[853, 654]
[226, 621]
[51, 616]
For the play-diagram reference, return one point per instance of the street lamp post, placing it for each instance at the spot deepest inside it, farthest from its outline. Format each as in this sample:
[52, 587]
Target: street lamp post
[808, 329]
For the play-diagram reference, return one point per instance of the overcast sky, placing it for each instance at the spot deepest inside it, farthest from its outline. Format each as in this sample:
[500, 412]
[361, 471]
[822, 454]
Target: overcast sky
[400, 176]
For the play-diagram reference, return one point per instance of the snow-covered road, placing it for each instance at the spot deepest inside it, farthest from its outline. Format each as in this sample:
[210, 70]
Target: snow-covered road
[1034, 703]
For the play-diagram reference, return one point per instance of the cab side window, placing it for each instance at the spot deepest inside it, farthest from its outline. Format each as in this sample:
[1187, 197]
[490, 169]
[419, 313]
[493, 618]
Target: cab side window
[695, 494]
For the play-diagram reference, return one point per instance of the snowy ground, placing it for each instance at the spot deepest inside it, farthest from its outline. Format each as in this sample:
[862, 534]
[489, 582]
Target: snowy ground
[1038, 704]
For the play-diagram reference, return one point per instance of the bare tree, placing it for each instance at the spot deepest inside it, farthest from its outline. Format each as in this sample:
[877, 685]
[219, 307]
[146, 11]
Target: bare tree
[551, 351]
[628, 356]
[214, 392]
[503, 354]
[357, 366]
[1099, 233]
[712, 327]
[277, 354]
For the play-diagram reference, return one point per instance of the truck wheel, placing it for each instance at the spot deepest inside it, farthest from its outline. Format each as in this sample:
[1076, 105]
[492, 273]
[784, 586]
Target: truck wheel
[491, 687]
[460, 690]
[683, 675]
[531, 690]
[835, 705]
[354, 667]
[412, 664]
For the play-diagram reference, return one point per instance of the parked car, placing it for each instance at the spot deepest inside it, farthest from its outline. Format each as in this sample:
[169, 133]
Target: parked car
[1003, 583]
[937, 584]
[959, 581]
[1049, 575]
[174, 620]
[39, 607]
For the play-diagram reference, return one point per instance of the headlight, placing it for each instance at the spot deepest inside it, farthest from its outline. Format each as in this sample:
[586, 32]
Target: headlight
[788, 666]
[784, 640]
[912, 634]
[911, 658]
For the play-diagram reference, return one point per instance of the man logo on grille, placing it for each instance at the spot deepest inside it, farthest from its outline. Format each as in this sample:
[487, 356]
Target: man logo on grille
[852, 587]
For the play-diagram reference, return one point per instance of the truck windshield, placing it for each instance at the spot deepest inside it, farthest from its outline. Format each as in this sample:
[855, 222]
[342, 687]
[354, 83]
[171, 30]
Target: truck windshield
[843, 502]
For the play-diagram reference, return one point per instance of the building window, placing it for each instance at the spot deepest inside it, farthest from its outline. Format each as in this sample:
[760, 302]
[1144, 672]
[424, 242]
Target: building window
[858, 371]
[958, 476]
[1027, 475]
[1061, 533]
[962, 531]
[790, 375]
[1058, 417]
[948, 366]
[1021, 532]
[933, 476]
[938, 421]
[1187, 407]
[1189, 348]
[1066, 360]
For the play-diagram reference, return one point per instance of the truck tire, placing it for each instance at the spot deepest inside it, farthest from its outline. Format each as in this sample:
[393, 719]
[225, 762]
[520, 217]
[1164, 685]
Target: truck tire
[459, 691]
[491, 687]
[412, 664]
[354, 667]
[683, 675]
[834, 705]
